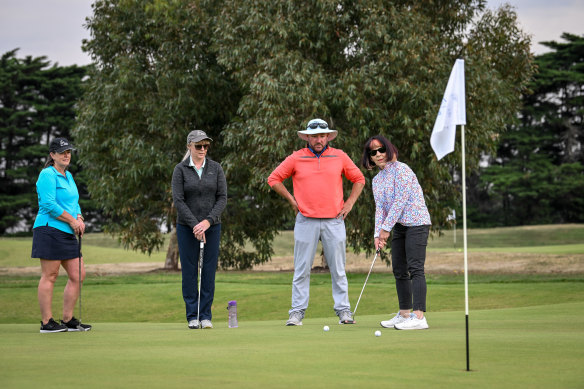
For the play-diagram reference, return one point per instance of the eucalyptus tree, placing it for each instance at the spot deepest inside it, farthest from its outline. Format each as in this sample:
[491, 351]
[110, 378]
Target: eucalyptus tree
[252, 73]
[154, 80]
[367, 67]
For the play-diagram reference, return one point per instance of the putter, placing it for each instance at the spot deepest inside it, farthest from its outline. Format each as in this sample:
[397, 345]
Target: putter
[371, 268]
[201, 250]
[79, 278]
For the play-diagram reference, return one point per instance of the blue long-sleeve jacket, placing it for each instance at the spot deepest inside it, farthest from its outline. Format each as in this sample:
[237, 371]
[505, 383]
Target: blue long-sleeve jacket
[56, 193]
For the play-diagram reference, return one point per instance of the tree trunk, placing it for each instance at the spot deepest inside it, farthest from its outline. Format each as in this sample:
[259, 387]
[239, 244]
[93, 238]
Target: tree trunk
[171, 262]
[323, 263]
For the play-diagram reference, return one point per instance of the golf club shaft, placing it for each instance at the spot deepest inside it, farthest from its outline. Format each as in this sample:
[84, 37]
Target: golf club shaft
[201, 250]
[371, 268]
[79, 275]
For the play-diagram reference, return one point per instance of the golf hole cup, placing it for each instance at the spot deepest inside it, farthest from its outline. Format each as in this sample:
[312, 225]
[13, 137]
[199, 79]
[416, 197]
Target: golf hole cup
[232, 313]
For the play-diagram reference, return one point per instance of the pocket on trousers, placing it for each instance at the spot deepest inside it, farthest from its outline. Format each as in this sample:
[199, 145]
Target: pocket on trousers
[300, 218]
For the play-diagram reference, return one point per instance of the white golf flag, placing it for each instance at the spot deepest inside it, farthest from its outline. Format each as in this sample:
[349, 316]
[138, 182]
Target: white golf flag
[452, 112]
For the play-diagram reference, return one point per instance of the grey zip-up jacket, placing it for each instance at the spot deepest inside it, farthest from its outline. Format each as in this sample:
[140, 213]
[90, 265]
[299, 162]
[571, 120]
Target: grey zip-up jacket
[197, 199]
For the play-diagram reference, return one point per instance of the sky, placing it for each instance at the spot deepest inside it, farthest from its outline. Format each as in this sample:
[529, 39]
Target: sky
[55, 28]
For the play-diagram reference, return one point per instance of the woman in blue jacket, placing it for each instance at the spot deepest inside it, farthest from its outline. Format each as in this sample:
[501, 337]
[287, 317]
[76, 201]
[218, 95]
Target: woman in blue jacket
[58, 221]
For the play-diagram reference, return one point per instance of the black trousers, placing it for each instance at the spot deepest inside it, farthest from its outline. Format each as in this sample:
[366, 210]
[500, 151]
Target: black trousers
[408, 252]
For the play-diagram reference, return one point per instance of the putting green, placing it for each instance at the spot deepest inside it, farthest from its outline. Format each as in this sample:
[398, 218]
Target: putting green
[535, 347]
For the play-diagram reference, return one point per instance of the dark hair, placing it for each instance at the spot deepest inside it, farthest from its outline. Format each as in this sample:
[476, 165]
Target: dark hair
[391, 151]
[50, 161]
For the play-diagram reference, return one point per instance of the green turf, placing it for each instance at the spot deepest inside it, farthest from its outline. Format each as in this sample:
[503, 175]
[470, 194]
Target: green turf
[526, 330]
[266, 296]
[99, 248]
[15, 252]
[566, 249]
[523, 236]
[532, 347]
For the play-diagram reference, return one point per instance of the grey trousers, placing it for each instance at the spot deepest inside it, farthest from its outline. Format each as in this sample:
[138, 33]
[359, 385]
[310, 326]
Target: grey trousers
[332, 234]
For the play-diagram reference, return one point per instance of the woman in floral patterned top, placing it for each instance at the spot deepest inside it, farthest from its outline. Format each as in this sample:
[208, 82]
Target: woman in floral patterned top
[400, 206]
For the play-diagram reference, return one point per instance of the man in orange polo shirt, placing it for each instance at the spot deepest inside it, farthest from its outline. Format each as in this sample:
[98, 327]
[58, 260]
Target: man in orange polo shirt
[317, 178]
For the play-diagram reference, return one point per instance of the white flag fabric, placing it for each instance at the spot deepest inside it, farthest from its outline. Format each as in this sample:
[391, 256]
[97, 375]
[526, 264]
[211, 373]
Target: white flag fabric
[452, 112]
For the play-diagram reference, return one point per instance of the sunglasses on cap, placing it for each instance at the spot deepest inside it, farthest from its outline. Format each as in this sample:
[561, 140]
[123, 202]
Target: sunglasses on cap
[201, 147]
[316, 125]
[373, 153]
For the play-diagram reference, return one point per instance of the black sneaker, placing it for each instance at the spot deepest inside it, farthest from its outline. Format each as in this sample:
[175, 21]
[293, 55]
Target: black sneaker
[52, 326]
[75, 325]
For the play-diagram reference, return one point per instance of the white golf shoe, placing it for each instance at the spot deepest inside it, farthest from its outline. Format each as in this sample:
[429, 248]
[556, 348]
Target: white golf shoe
[395, 320]
[413, 323]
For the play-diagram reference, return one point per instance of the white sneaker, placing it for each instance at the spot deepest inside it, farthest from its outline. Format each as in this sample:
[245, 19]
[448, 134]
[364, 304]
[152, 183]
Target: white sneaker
[295, 319]
[194, 324]
[413, 323]
[206, 324]
[395, 320]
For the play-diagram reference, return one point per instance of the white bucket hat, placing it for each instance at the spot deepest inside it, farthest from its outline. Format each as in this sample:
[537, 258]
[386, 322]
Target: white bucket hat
[317, 126]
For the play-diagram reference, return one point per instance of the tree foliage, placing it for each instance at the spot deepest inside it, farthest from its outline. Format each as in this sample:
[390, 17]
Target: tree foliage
[537, 174]
[253, 73]
[367, 67]
[155, 80]
[37, 103]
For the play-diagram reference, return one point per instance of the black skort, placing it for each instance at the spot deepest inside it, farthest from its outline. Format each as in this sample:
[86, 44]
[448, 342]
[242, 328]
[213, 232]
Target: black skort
[53, 244]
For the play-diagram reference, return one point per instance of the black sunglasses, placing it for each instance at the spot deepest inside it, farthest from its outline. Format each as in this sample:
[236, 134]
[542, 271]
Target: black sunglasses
[373, 153]
[201, 147]
[316, 125]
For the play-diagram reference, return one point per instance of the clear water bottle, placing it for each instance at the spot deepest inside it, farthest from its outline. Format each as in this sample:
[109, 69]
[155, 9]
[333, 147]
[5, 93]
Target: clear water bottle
[232, 311]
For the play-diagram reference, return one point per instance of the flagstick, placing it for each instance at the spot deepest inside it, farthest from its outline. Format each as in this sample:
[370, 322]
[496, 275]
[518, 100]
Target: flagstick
[464, 240]
[452, 113]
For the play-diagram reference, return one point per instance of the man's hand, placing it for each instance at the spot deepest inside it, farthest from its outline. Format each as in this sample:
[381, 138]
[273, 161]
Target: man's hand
[345, 210]
[348, 205]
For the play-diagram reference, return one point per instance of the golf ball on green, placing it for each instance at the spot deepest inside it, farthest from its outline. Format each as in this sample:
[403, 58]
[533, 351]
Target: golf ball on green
[325, 328]
[377, 333]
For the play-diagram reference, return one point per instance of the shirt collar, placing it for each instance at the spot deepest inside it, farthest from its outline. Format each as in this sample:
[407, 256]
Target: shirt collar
[191, 163]
[315, 153]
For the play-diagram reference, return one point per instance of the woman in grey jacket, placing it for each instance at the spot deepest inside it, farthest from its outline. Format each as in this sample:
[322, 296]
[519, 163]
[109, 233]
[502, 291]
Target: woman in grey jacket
[199, 192]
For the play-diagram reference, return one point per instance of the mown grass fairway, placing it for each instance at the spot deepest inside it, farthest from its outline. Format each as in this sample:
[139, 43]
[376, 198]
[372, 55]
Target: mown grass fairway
[526, 328]
[266, 296]
[520, 336]
[524, 347]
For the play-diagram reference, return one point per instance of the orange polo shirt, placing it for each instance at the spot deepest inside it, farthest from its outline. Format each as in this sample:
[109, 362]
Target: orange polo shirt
[318, 181]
